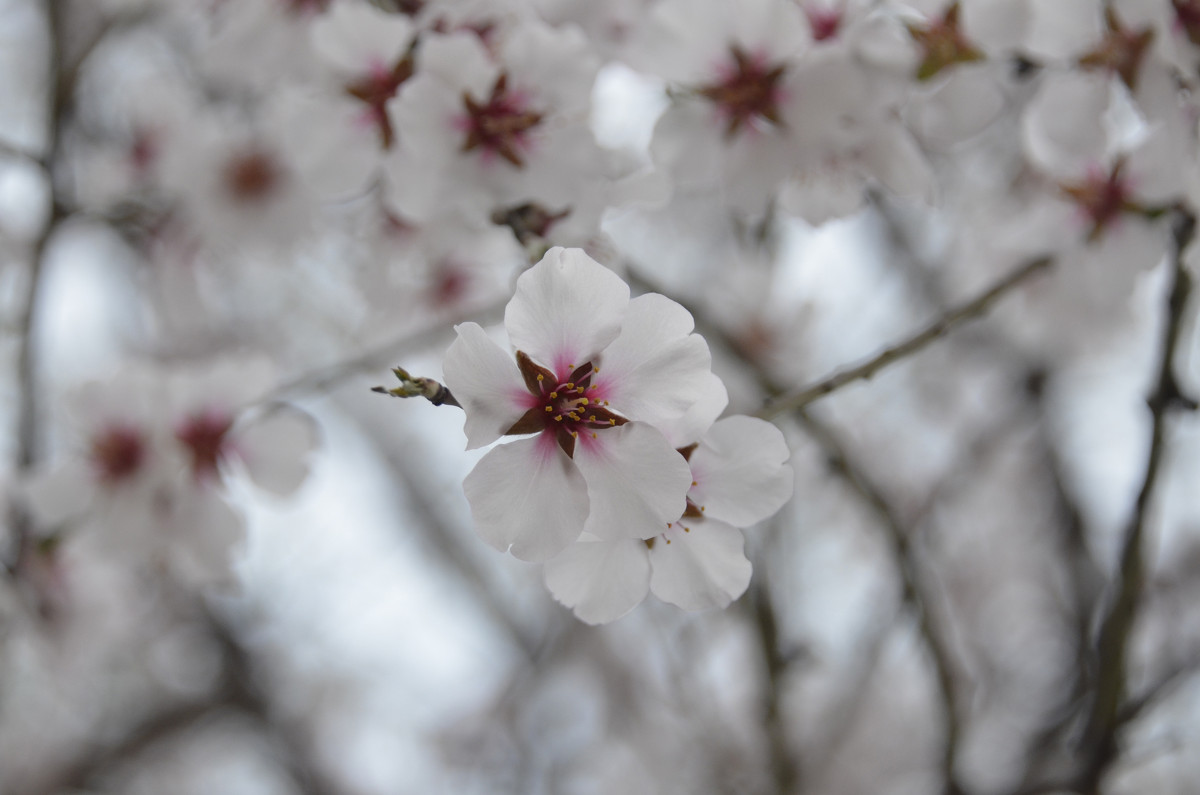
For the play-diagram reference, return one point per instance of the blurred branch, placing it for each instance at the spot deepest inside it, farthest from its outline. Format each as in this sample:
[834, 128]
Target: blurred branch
[784, 766]
[911, 589]
[27, 430]
[238, 690]
[801, 397]
[1105, 718]
[328, 376]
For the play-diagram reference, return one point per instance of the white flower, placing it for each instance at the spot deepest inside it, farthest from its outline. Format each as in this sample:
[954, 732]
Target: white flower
[739, 478]
[594, 373]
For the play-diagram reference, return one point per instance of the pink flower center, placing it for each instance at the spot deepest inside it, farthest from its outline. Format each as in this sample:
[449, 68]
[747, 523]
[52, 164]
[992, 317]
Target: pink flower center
[564, 407]
[204, 435]
[943, 44]
[824, 22]
[376, 88]
[500, 124]
[117, 453]
[748, 92]
[1121, 51]
[1187, 16]
[1103, 197]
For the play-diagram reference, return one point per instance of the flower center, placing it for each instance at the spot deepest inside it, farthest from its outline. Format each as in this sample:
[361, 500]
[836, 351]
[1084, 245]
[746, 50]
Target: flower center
[1103, 197]
[564, 407]
[251, 176]
[204, 436]
[747, 93]
[500, 124]
[824, 22]
[1187, 16]
[1121, 51]
[376, 88]
[943, 44]
[118, 453]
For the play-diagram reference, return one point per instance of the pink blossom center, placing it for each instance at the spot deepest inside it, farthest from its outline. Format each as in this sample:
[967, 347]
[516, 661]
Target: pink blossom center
[118, 453]
[747, 92]
[1103, 197]
[564, 406]
[204, 435]
[500, 124]
[376, 88]
[824, 22]
[1187, 17]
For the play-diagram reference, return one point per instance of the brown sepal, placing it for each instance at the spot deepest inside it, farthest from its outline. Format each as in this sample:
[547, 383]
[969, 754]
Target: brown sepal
[530, 370]
[531, 421]
[566, 440]
[686, 452]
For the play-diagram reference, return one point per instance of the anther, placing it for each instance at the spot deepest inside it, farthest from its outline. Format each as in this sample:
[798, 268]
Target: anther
[611, 421]
[553, 395]
[570, 385]
[541, 377]
[584, 401]
[593, 434]
[558, 418]
[551, 408]
[693, 482]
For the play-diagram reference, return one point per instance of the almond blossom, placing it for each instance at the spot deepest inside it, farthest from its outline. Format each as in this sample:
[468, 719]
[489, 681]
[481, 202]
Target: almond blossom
[738, 478]
[594, 373]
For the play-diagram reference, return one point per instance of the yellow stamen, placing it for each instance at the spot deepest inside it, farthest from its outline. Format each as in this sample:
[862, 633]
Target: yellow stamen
[553, 395]
[593, 434]
[541, 377]
[584, 401]
[558, 418]
[551, 408]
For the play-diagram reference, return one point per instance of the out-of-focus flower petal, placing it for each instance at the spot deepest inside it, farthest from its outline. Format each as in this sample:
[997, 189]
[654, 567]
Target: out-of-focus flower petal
[636, 481]
[601, 580]
[700, 567]
[275, 449]
[527, 495]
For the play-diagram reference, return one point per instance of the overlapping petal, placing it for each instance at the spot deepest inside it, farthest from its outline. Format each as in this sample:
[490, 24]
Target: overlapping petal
[656, 370]
[700, 567]
[566, 309]
[636, 481]
[739, 469]
[487, 384]
[527, 497]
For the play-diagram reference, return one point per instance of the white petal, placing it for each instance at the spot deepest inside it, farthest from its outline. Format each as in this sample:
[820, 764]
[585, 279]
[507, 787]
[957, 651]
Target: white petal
[739, 469]
[700, 417]
[355, 37]
[600, 580]
[567, 308]
[59, 495]
[700, 567]
[275, 449]
[529, 496]
[204, 531]
[636, 481]
[656, 370]
[485, 381]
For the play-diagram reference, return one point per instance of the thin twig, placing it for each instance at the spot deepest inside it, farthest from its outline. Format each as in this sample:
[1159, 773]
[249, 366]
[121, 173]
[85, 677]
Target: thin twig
[1104, 719]
[801, 397]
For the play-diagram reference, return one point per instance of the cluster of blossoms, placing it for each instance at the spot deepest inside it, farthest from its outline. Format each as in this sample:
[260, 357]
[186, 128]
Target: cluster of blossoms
[623, 483]
[153, 448]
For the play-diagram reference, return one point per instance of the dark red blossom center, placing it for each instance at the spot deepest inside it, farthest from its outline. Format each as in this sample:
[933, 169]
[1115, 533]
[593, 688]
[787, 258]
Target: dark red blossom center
[749, 91]
[500, 124]
[376, 88]
[943, 44]
[117, 453]
[204, 435]
[1103, 197]
[823, 22]
[251, 176]
[1121, 51]
[1187, 17]
[565, 407]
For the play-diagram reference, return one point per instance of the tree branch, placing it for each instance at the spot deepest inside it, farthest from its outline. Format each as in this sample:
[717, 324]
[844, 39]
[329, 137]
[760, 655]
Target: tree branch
[801, 397]
[1105, 717]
